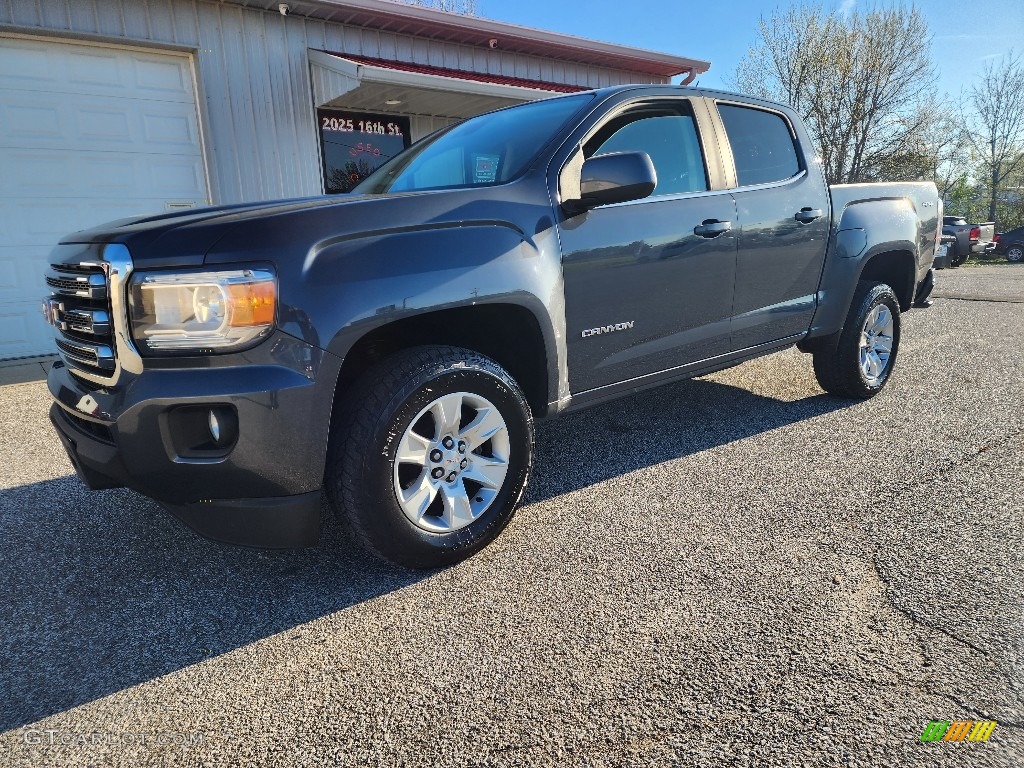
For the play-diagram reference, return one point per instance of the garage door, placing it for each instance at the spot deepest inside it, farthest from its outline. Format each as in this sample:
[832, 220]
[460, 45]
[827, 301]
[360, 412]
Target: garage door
[87, 134]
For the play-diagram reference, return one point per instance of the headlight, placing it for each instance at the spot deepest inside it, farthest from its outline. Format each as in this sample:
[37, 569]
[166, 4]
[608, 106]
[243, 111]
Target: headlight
[201, 311]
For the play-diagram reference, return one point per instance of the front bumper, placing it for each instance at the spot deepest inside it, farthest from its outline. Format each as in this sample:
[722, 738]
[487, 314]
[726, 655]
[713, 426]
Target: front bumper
[263, 491]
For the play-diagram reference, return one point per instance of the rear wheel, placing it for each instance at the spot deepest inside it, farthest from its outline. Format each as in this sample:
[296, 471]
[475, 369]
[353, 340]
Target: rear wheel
[430, 459]
[858, 364]
[1015, 253]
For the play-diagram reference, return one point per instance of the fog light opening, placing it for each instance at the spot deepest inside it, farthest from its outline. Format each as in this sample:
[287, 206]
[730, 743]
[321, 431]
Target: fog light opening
[202, 431]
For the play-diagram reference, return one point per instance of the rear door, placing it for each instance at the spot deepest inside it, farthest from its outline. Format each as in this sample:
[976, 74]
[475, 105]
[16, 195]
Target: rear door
[783, 210]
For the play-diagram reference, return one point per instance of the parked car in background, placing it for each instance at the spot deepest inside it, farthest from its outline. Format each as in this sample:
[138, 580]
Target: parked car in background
[970, 238]
[1011, 244]
[944, 252]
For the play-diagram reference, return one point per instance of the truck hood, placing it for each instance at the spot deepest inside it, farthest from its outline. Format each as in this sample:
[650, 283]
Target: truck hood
[183, 238]
[287, 228]
[292, 229]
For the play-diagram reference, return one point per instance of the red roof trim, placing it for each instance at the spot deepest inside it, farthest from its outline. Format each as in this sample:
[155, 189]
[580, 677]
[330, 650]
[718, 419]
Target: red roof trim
[459, 74]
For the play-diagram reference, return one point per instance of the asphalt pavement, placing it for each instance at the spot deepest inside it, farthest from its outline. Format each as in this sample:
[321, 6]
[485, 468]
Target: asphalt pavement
[737, 570]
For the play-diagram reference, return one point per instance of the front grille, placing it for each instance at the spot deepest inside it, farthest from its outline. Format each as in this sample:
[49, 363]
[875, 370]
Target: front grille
[92, 286]
[79, 308]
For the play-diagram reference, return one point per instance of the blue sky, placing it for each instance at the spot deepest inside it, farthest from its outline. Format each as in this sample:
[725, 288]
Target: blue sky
[720, 31]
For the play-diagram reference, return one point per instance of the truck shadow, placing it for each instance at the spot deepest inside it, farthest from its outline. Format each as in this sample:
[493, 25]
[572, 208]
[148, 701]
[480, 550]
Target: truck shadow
[105, 590]
[669, 422]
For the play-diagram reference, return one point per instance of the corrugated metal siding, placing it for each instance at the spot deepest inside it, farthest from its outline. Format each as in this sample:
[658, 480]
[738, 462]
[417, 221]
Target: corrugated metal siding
[253, 73]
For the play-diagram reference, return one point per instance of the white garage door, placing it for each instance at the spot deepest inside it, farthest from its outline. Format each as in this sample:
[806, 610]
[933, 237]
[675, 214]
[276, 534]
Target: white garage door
[87, 134]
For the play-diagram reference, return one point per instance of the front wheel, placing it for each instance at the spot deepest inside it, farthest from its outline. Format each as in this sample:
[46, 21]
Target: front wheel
[431, 456]
[859, 363]
[1015, 253]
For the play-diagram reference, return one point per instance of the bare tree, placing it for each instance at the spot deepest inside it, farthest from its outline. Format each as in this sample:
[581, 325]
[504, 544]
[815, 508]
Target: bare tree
[465, 7]
[862, 82]
[997, 123]
[935, 148]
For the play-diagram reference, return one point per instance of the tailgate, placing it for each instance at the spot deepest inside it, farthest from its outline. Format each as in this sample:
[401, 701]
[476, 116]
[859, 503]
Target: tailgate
[988, 231]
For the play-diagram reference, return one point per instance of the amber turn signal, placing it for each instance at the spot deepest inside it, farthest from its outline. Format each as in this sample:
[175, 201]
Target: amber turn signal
[252, 304]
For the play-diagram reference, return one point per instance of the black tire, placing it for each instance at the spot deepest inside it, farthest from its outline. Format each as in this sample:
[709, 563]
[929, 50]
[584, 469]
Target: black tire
[384, 402]
[1015, 254]
[959, 257]
[837, 366]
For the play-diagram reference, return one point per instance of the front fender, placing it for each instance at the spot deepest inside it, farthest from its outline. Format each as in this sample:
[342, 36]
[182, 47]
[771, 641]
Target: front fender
[351, 286]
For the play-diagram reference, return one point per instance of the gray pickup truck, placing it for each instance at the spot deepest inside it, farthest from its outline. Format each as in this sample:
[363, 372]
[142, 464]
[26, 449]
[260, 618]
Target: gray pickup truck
[969, 238]
[392, 348]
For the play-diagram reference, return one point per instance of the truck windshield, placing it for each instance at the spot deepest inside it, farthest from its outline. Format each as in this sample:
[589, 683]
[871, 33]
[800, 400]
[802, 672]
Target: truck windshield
[481, 151]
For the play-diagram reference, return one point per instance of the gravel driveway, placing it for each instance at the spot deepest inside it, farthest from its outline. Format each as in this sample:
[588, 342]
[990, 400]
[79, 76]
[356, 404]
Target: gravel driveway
[737, 570]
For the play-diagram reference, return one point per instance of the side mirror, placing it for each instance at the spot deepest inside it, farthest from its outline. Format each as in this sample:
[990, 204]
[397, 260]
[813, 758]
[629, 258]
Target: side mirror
[614, 178]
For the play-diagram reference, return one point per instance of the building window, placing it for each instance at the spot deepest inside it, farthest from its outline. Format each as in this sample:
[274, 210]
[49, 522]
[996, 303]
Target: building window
[355, 144]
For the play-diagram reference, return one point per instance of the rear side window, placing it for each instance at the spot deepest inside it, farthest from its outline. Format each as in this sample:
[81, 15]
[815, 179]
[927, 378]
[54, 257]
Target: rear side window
[762, 146]
[668, 135]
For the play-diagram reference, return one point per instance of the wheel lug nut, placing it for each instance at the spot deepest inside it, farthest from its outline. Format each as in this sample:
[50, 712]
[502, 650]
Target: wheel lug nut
[463, 463]
[436, 455]
[462, 446]
[438, 473]
[448, 442]
[452, 476]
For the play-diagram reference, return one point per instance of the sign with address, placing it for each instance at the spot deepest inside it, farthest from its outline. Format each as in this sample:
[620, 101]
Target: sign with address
[355, 144]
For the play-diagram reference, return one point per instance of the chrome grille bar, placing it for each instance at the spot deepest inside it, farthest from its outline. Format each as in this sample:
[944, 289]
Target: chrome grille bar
[93, 355]
[94, 322]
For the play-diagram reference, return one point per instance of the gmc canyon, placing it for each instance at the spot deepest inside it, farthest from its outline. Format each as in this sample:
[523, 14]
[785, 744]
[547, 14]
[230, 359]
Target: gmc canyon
[391, 348]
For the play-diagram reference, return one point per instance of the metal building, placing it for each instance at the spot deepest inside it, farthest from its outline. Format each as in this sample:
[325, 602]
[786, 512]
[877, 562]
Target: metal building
[114, 108]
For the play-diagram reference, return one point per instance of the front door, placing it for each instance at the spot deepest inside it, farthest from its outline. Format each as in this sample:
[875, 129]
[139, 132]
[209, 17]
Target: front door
[649, 283]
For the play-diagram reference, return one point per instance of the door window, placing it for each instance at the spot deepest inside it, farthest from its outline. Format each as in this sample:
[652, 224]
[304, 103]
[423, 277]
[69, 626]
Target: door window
[668, 135]
[762, 145]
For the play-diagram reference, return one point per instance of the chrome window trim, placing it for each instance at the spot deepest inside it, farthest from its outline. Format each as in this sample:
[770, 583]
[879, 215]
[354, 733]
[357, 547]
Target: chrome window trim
[651, 199]
[771, 184]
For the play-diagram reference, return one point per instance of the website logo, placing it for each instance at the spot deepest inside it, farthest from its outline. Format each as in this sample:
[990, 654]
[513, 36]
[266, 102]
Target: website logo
[958, 730]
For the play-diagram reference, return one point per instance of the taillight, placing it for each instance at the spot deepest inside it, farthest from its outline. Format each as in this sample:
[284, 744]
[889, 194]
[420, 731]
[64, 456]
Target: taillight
[995, 238]
[975, 233]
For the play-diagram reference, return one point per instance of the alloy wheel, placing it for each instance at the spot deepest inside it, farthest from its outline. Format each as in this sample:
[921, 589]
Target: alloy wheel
[876, 342]
[451, 462]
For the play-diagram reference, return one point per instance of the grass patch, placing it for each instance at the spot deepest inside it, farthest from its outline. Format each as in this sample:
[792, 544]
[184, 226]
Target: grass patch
[992, 261]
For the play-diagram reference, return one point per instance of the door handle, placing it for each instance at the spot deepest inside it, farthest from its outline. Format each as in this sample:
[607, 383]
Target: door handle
[712, 228]
[807, 215]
